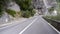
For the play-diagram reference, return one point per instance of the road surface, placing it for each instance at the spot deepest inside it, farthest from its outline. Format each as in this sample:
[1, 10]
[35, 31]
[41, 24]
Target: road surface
[35, 25]
[40, 26]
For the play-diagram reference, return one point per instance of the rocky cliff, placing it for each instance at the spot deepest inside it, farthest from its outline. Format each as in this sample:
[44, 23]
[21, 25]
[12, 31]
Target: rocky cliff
[42, 5]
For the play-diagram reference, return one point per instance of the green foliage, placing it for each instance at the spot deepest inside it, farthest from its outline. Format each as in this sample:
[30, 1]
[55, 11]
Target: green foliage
[26, 7]
[51, 9]
[33, 12]
[58, 3]
[58, 0]
[30, 8]
[54, 17]
[24, 4]
[3, 4]
[11, 12]
[27, 13]
[57, 17]
[1, 12]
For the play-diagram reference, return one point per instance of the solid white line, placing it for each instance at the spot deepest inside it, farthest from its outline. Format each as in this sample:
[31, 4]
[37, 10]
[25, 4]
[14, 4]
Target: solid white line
[54, 28]
[28, 26]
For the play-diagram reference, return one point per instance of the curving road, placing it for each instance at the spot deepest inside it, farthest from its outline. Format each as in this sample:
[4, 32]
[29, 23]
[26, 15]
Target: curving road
[40, 26]
[35, 25]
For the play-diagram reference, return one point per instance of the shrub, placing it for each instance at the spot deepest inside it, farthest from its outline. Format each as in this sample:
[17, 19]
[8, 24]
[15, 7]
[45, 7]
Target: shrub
[51, 9]
[24, 4]
[27, 13]
[18, 14]
[14, 13]
[1, 12]
[11, 12]
[33, 12]
[54, 17]
[58, 0]
[26, 8]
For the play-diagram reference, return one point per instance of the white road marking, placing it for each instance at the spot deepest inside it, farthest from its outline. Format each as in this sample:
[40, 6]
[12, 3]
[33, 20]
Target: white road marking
[54, 28]
[28, 26]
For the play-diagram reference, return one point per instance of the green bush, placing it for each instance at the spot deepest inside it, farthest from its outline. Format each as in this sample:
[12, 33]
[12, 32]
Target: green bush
[27, 13]
[26, 8]
[11, 12]
[24, 4]
[51, 9]
[1, 12]
[58, 0]
[30, 8]
[54, 17]
[33, 12]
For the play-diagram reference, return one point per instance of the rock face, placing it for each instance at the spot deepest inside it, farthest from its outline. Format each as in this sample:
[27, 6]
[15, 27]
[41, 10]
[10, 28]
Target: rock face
[42, 5]
[13, 6]
[4, 19]
[39, 5]
[47, 3]
[50, 3]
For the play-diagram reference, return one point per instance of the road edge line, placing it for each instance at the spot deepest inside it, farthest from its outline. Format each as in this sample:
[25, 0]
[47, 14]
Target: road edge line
[54, 28]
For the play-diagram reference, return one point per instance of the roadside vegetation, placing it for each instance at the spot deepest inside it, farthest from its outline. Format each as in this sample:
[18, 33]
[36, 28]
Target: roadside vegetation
[51, 9]
[1, 7]
[25, 6]
[11, 12]
[1, 12]
[54, 17]
[54, 20]
[57, 17]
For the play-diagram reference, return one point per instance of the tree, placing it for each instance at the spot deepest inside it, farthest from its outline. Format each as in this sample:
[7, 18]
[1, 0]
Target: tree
[26, 7]
[24, 4]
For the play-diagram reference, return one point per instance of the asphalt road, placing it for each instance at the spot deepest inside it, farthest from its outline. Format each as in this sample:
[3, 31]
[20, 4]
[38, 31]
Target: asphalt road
[16, 29]
[35, 25]
[40, 26]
